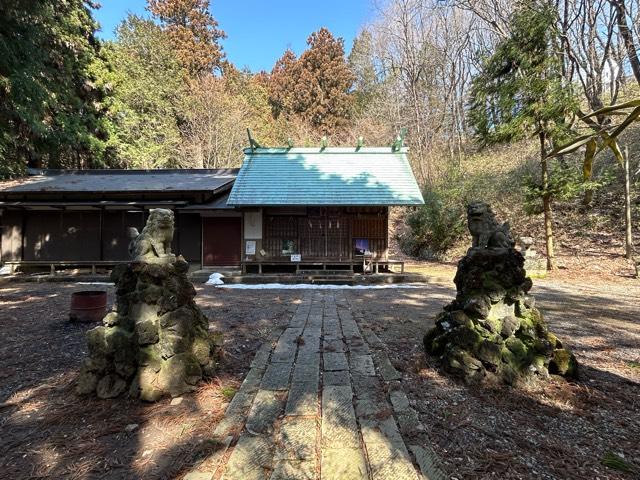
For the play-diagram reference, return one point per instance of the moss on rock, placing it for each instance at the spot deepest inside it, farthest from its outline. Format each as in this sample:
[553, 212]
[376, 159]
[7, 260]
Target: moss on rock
[87, 383]
[460, 362]
[564, 363]
[521, 353]
[493, 329]
[110, 386]
[201, 350]
[157, 343]
[510, 324]
[465, 336]
[179, 374]
[489, 352]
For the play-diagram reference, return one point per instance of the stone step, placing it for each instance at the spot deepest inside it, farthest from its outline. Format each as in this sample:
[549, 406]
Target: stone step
[335, 279]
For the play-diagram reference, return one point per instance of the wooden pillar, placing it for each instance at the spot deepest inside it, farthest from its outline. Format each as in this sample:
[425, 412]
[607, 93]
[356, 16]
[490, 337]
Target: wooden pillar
[386, 242]
[350, 217]
[101, 231]
[23, 232]
[325, 221]
[177, 217]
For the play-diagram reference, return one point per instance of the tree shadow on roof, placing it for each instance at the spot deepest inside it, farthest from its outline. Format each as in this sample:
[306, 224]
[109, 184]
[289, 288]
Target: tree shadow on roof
[294, 180]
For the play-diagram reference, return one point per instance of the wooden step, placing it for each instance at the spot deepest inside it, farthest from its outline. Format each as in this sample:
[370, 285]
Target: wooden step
[325, 272]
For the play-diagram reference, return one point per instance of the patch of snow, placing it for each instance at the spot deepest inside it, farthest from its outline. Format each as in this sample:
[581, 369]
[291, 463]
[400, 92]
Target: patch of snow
[6, 270]
[309, 286]
[215, 279]
[110, 284]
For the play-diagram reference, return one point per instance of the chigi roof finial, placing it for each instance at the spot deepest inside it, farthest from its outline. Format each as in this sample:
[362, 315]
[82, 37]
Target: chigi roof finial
[398, 143]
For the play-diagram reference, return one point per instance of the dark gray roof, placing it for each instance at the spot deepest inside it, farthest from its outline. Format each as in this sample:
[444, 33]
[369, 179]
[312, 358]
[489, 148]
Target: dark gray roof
[90, 205]
[100, 181]
[219, 203]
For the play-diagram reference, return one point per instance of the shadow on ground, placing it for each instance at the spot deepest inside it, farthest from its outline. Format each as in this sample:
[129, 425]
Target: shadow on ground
[553, 429]
[46, 431]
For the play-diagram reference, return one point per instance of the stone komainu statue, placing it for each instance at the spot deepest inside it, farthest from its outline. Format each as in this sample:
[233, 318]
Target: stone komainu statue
[157, 342]
[486, 232]
[153, 245]
[493, 331]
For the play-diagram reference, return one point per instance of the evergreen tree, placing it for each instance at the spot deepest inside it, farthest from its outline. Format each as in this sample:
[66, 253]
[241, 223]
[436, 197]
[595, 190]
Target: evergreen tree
[361, 63]
[147, 95]
[315, 87]
[193, 31]
[50, 107]
[282, 83]
[520, 92]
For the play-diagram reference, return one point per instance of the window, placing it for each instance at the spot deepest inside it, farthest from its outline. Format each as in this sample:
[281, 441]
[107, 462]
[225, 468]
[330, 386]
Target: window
[288, 247]
[361, 246]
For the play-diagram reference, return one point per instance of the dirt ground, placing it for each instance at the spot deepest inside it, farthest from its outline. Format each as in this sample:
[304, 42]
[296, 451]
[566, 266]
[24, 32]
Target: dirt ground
[551, 430]
[46, 431]
[554, 430]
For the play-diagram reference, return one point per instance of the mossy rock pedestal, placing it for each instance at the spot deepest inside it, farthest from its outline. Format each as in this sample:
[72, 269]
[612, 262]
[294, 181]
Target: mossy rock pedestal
[493, 330]
[157, 343]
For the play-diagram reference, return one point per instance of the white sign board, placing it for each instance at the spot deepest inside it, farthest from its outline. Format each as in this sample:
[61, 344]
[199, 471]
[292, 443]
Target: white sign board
[296, 258]
[250, 247]
[253, 225]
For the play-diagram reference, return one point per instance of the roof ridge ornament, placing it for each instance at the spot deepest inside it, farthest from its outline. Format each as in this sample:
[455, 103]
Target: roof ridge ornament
[253, 144]
[398, 143]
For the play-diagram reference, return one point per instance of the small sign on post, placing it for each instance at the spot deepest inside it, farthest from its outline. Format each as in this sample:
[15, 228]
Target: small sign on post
[296, 257]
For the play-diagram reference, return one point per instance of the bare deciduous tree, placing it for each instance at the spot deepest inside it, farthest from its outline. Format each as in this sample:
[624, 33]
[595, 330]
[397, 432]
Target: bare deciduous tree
[426, 52]
[214, 132]
[494, 13]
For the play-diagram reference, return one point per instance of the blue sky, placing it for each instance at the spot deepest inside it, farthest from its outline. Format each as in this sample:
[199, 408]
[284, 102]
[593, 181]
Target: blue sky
[259, 31]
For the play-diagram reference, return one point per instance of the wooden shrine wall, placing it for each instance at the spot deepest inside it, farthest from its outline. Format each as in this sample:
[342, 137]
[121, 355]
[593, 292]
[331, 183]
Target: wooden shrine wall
[325, 233]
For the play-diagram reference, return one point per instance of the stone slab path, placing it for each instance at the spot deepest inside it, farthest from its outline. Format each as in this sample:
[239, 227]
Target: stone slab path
[321, 401]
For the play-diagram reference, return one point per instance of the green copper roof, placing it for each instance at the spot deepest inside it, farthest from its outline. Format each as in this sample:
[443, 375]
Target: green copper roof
[329, 176]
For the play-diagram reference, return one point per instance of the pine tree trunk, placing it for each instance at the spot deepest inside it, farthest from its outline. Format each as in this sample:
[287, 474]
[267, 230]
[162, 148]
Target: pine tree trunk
[627, 37]
[546, 205]
[587, 170]
[628, 238]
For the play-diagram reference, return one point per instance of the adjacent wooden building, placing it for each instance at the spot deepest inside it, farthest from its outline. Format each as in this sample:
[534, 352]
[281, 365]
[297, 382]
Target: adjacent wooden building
[284, 210]
[80, 218]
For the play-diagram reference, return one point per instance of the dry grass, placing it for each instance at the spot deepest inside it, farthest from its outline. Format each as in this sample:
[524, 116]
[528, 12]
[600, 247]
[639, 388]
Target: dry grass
[444, 271]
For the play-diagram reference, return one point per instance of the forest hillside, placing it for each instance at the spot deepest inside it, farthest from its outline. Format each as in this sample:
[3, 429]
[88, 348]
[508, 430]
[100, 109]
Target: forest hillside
[589, 240]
